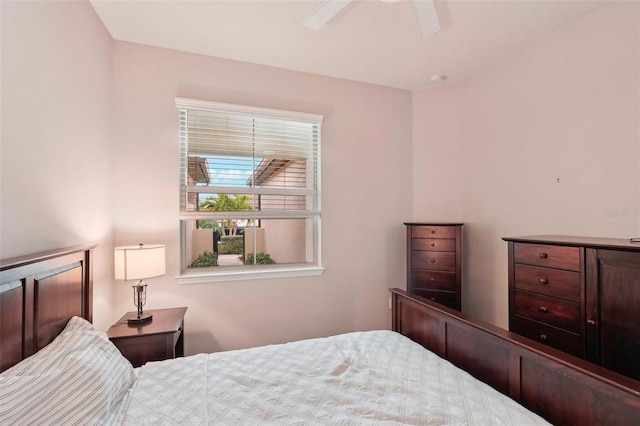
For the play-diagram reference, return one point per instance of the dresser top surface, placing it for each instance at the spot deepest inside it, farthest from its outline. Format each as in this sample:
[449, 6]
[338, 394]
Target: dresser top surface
[566, 240]
[164, 321]
[432, 224]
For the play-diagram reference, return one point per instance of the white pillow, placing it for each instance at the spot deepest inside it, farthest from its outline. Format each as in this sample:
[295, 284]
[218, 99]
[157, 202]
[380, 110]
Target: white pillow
[77, 378]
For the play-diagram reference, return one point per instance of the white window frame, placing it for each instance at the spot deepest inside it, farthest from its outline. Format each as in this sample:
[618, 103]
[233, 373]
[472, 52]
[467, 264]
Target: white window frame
[226, 274]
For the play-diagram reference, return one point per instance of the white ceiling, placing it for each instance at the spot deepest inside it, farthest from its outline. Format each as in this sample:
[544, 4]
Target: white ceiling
[368, 41]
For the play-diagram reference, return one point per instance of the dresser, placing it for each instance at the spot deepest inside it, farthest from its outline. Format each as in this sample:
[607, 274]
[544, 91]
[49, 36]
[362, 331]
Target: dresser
[434, 262]
[580, 295]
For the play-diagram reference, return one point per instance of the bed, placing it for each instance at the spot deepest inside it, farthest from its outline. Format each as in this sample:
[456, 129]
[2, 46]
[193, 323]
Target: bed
[374, 377]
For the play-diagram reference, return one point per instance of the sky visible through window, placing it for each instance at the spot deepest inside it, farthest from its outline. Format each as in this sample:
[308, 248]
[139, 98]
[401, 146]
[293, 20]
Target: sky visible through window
[230, 170]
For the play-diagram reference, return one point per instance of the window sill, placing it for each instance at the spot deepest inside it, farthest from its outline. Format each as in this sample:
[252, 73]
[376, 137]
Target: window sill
[236, 275]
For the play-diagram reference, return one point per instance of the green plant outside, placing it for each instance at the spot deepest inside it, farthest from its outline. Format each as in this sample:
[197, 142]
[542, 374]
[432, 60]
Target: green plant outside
[232, 244]
[206, 259]
[226, 203]
[261, 259]
[208, 224]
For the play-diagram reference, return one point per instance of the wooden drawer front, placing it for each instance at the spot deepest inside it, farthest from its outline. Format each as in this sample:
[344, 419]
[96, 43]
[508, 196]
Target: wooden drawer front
[548, 256]
[140, 350]
[433, 231]
[551, 282]
[559, 339]
[434, 280]
[556, 312]
[433, 244]
[446, 298]
[433, 260]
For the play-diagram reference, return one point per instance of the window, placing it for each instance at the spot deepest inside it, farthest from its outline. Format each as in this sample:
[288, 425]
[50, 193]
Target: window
[249, 192]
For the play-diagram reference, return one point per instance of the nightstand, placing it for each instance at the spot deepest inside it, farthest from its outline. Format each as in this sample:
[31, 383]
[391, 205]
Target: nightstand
[159, 339]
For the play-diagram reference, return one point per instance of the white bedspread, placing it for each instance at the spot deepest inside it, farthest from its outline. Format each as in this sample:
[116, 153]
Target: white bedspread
[365, 378]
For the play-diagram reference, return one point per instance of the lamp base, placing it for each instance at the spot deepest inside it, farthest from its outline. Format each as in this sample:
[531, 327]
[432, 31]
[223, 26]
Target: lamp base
[137, 321]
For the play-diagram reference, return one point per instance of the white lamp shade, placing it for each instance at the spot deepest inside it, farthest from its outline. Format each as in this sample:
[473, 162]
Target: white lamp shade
[139, 262]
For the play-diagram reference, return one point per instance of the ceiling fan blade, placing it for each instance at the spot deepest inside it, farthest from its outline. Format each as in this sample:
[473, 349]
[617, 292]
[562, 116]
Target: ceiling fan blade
[324, 13]
[425, 15]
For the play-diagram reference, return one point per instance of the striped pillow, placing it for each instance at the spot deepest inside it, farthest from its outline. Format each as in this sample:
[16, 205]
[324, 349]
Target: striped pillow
[76, 379]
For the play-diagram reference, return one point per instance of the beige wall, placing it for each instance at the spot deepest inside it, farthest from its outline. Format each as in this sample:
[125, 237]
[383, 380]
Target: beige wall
[251, 243]
[55, 170]
[490, 151]
[285, 241]
[201, 242]
[366, 195]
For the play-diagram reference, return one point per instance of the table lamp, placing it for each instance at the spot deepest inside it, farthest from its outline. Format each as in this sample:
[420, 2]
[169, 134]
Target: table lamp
[137, 263]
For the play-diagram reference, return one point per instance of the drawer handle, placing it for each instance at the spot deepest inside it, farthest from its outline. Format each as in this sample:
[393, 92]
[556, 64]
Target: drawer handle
[543, 255]
[591, 322]
[433, 231]
[433, 244]
[433, 261]
[432, 279]
[543, 309]
[544, 281]
[432, 299]
[543, 337]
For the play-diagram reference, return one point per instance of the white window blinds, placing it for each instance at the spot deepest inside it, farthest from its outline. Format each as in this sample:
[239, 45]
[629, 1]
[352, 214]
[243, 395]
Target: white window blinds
[268, 160]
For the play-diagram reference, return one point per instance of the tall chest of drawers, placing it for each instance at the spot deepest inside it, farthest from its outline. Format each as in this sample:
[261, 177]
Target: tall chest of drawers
[580, 295]
[546, 294]
[434, 262]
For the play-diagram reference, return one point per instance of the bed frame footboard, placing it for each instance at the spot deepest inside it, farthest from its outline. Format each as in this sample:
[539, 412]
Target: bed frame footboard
[563, 389]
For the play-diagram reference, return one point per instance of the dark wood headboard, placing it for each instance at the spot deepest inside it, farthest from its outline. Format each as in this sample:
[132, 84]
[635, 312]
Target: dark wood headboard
[563, 389]
[39, 293]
